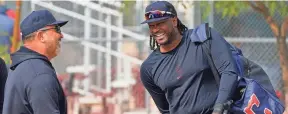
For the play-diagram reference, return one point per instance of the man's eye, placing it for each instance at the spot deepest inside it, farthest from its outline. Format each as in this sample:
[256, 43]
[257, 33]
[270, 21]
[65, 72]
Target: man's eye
[151, 26]
[160, 23]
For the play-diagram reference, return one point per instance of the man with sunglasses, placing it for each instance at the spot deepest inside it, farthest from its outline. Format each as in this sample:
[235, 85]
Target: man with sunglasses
[177, 74]
[32, 86]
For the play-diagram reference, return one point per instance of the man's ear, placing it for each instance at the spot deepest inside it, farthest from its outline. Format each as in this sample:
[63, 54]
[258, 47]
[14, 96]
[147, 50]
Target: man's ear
[40, 37]
[175, 21]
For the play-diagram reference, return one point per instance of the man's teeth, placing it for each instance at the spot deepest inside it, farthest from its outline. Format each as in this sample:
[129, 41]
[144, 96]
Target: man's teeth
[159, 34]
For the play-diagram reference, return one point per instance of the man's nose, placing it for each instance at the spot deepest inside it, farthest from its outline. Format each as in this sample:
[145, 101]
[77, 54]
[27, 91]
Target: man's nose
[155, 29]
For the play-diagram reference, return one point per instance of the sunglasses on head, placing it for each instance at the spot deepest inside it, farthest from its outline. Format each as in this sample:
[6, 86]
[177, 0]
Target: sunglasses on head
[157, 14]
[57, 29]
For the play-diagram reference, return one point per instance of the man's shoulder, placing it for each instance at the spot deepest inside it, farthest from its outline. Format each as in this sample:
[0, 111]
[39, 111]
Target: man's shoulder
[30, 69]
[152, 58]
[198, 34]
[150, 62]
[37, 65]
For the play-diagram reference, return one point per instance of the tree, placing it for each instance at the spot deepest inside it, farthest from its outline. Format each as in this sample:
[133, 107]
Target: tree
[16, 31]
[267, 9]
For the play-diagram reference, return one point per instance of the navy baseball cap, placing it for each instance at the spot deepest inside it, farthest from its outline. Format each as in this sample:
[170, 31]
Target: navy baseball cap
[37, 20]
[159, 10]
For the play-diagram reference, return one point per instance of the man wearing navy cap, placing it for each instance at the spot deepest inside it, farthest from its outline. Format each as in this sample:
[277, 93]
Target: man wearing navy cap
[32, 86]
[177, 74]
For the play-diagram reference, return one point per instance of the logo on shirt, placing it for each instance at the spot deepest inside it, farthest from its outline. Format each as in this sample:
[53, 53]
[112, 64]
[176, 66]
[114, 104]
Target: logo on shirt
[179, 72]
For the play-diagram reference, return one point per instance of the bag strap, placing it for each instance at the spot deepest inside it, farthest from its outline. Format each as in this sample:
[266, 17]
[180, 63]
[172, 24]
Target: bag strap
[206, 47]
[207, 50]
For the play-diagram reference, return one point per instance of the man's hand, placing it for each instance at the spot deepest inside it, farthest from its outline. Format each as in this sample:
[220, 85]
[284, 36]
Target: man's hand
[222, 108]
[218, 109]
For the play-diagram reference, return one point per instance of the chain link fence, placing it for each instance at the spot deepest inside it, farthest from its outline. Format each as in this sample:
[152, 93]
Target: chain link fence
[251, 33]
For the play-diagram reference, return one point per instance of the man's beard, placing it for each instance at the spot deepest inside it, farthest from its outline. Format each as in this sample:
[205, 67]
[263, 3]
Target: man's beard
[170, 39]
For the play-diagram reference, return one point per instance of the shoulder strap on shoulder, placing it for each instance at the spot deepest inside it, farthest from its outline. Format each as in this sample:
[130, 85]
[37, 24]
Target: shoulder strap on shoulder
[207, 50]
[200, 34]
[208, 30]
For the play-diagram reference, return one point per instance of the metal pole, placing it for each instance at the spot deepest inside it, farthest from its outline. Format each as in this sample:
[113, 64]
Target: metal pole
[211, 15]
[87, 51]
[108, 61]
[108, 54]
[119, 46]
[189, 14]
[100, 64]
[32, 5]
[195, 15]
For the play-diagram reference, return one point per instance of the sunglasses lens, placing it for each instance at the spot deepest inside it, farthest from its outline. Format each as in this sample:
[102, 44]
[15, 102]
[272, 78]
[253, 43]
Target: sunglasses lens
[58, 29]
[155, 14]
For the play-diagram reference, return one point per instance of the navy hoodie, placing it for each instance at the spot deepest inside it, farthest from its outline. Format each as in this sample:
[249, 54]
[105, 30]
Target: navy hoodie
[32, 86]
[3, 77]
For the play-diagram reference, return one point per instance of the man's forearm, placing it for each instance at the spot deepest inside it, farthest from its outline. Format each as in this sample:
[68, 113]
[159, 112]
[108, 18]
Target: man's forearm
[227, 86]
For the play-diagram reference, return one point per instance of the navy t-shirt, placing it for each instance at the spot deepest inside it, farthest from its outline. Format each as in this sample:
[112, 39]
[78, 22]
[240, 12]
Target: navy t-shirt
[181, 81]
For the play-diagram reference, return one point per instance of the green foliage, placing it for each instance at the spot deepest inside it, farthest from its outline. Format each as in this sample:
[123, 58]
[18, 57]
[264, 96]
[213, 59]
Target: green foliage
[233, 8]
[272, 6]
[128, 10]
[4, 54]
[127, 5]
[227, 8]
[280, 7]
[205, 9]
[283, 8]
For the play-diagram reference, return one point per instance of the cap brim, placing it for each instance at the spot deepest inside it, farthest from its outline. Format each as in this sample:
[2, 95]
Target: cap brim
[59, 23]
[154, 20]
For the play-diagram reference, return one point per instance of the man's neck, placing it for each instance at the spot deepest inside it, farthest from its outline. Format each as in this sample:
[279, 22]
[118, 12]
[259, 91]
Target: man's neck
[172, 45]
[38, 50]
